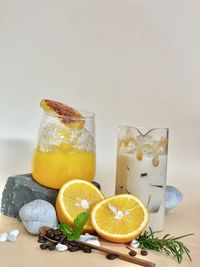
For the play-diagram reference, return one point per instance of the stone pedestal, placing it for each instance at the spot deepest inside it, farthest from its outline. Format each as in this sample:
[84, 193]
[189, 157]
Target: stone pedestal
[22, 189]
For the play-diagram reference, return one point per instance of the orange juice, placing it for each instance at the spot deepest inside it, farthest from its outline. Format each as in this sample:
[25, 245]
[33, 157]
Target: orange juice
[64, 163]
[66, 145]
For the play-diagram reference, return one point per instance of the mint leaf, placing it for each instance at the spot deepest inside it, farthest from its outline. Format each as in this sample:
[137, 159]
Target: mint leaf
[66, 229]
[79, 223]
[75, 235]
[81, 220]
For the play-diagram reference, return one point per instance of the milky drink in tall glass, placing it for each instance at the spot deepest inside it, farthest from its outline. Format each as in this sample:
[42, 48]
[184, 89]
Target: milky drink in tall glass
[142, 169]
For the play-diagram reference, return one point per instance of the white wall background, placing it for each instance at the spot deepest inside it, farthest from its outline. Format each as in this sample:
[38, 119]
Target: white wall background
[130, 61]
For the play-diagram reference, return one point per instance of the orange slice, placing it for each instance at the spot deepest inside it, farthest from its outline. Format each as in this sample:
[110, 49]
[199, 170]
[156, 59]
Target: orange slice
[119, 218]
[75, 197]
[69, 116]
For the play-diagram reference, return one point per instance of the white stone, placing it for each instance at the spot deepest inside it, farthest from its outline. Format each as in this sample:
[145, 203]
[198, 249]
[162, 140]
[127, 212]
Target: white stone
[12, 236]
[83, 238]
[90, 239]
[3, 237]
[134, 243]
[172, 197]
[61, 247]
[93, 242]
[36, 214]
[89, 236]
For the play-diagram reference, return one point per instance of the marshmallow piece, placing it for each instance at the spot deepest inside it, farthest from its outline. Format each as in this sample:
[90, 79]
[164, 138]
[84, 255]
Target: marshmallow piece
[3, 237]
[61, 247]
[12, 236]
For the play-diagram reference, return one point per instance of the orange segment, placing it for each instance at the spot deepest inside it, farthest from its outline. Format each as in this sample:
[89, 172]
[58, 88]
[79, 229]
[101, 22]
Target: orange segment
[119, 218]
[75, 197]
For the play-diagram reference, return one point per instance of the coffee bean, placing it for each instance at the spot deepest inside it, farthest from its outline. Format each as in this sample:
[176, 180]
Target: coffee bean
[50, 234]
[62, 238]
[144, 252]
[56, 237]
[74, 248]
[57, 232]
[86, 249]
[72, 243]
[111, 256]
[41, 239]
[65, 242]
[51, 246]
[132, 253]
[44, 246]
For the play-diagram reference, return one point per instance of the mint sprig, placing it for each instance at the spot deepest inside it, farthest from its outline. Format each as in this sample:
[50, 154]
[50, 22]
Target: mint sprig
[66, 229]
[79, 223]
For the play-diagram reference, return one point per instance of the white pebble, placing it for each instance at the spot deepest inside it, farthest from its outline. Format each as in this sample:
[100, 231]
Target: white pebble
[83, 238]
[91, 236]
[172, 197]
[90, 239]
[12, 236]
[134, 243]
[3, 237]
[94, 242]
[61, 247]
[36, 214]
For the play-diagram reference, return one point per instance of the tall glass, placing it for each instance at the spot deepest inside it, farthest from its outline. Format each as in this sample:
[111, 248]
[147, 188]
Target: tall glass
[64, 151]
[142, 168]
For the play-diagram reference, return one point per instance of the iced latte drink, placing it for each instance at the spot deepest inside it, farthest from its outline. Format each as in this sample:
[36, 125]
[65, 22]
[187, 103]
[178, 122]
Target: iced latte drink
[142, 168]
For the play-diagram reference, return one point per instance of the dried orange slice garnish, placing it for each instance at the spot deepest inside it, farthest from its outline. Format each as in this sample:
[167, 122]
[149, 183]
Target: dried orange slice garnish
[68, 115]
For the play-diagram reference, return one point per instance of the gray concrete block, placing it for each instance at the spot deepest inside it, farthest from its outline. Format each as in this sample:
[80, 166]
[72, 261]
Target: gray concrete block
[22, 189]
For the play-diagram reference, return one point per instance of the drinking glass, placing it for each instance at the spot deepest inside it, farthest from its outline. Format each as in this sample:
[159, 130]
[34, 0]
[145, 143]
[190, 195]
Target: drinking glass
[64, 151]
[142, 168]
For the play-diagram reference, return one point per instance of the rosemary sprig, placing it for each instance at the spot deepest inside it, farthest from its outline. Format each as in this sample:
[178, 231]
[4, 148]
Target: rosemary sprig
[170, 245]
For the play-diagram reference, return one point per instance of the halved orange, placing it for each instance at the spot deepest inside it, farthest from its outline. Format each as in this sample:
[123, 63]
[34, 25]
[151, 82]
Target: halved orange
[68, 115]
[75, 197]
[120, 218]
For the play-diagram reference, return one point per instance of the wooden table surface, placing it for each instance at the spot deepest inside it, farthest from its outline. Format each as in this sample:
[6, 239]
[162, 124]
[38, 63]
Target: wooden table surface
[183, 219]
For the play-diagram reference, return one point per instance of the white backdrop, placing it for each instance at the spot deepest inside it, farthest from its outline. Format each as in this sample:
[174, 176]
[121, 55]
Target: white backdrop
[129, 61]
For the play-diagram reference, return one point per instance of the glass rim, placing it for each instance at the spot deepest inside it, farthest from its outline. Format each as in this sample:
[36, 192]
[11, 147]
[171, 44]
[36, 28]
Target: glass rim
[90, 115]
[148, 128]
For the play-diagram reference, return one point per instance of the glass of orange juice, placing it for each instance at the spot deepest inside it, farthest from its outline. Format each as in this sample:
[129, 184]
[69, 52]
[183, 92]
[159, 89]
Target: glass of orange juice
[65, 151]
